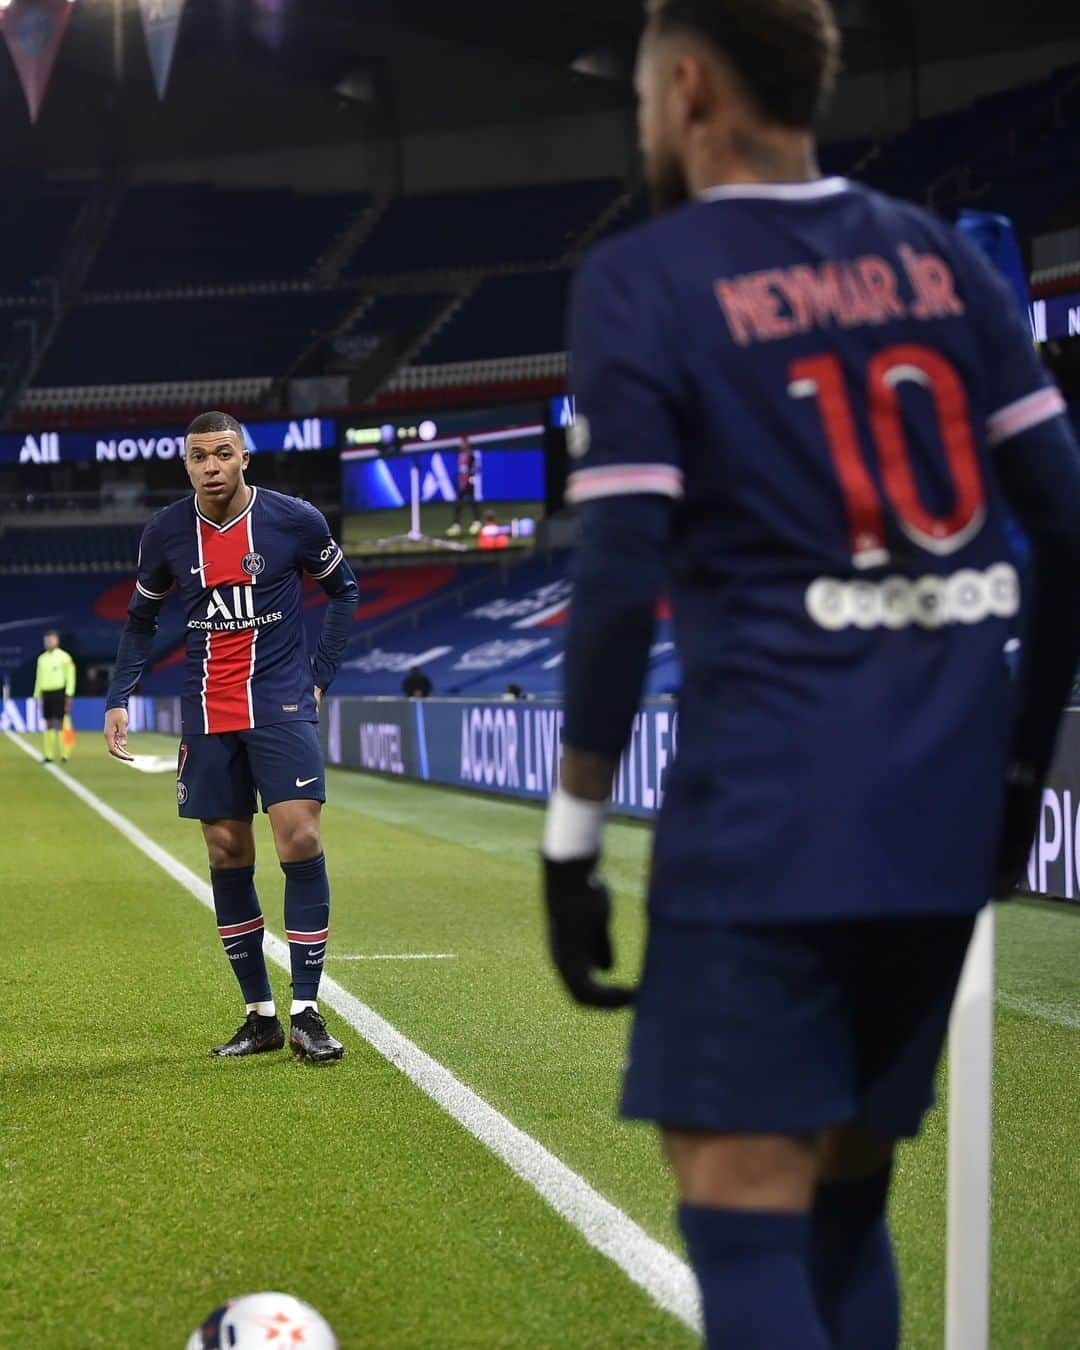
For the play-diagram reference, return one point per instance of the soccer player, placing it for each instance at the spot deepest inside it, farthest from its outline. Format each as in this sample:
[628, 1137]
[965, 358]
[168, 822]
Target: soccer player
[804, 409]
[468, 470]
[237, 553]
[54, 688]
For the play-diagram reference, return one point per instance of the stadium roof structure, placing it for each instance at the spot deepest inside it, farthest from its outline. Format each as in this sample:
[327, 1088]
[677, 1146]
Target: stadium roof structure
[273, 74]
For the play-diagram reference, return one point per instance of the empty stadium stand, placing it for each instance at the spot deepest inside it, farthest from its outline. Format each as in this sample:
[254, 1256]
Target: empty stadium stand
[232, 337]
[169, 235]
[44, 548]
[199, 291]
[512, 315]
[483, 229]
[1010, 151]
[473, 628]
[507, 625]
[36, 222]
[402, 317]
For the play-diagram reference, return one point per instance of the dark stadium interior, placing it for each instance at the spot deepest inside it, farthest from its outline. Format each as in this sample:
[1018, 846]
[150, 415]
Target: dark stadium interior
[378, 214]
[356, 227]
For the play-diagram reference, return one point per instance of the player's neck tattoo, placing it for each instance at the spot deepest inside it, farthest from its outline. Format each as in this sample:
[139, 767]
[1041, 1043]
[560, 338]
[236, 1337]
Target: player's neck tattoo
[773, 162]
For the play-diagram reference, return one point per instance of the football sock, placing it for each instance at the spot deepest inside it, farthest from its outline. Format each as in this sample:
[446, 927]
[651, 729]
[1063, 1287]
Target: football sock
[851, 1263]
[267, 1008]
[755, 1279]
[307, 923]
[240, 923]
[51, 742]
[299, 1004]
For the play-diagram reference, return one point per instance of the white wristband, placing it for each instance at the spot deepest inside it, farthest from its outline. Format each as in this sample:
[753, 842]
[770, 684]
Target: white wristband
[573, 827]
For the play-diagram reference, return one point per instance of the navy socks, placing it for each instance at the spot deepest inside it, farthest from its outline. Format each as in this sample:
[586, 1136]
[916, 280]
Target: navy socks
[240, 924]
[851, 1263]
[755, 1280]
[307, 922]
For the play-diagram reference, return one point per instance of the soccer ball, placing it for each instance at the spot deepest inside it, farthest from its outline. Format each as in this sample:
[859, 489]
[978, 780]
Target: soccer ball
[269, 1321]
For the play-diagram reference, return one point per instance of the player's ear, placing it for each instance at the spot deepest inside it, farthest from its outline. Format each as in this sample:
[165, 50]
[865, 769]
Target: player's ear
[697, 87]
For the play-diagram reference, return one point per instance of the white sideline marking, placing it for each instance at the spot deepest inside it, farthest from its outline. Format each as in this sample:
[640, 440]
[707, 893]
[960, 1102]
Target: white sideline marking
[1034, 1006]
[667, 1280]
[397, 956]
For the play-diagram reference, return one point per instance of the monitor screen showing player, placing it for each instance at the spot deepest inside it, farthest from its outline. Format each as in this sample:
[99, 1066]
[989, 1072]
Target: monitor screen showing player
[454, 483]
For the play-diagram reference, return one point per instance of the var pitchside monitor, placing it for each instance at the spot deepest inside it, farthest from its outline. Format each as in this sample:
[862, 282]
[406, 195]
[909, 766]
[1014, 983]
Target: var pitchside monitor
[457, 483]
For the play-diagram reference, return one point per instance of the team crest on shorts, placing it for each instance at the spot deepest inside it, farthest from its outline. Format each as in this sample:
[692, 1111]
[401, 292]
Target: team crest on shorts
[181, 793]
[253, 563]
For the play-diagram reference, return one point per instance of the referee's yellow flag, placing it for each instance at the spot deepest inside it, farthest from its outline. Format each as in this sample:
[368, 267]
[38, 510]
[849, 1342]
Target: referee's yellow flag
[68, 734]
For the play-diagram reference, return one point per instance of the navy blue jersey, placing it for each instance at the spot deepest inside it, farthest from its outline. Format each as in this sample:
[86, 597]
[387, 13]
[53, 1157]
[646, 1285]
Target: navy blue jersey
[247, 665]
[817, 376]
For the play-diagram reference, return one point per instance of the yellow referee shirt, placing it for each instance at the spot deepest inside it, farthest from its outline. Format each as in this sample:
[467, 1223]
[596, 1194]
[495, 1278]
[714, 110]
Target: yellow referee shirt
[55, 671]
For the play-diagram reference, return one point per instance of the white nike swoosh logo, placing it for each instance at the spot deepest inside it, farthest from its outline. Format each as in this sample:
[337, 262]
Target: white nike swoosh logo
[304, 782]
[196, 570]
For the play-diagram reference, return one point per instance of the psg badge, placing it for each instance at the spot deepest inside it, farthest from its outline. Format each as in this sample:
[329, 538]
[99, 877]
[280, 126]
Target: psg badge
[253, 563]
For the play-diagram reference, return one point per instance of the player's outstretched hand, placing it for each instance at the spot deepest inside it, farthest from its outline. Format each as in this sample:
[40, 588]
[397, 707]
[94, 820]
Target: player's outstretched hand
[579, 910]
[116, 732]
[1023, 801]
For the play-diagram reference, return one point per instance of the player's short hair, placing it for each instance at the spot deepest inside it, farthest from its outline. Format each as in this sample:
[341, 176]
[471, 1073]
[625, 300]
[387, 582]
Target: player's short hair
[786, 53]
[52, 632]
[208, 422]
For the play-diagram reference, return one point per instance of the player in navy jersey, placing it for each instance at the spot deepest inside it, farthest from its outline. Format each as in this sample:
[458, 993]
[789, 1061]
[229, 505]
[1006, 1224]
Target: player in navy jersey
[237, 554]
[803, 411]
[468, 471]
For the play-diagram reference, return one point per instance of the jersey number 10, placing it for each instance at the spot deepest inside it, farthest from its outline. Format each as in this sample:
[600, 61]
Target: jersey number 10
[822, 378]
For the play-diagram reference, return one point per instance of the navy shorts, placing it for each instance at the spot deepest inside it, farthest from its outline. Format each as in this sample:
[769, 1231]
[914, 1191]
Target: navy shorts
[791, 1028]
[218, 776]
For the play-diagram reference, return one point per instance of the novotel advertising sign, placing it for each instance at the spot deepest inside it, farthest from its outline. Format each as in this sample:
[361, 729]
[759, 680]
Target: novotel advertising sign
[139, 447]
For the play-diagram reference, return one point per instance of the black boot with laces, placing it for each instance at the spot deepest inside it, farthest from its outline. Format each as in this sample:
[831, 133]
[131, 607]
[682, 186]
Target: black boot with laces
[310, 1039]
[254, 1036]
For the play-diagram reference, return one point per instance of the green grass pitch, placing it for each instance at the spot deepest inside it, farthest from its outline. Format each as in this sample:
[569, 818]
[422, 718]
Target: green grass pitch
[143, 1183]
[361, 532]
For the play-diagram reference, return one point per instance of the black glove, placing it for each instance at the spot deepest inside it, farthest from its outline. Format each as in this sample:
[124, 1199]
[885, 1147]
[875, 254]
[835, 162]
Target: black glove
[1020, 820]
[579, 908]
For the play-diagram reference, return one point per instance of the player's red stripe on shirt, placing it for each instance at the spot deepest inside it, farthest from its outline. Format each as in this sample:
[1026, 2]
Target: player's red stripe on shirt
[308, 938]
[229, 661]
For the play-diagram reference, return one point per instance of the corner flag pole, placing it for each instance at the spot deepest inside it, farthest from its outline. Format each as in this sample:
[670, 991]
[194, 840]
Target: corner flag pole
[971, 1056]
[415, 534]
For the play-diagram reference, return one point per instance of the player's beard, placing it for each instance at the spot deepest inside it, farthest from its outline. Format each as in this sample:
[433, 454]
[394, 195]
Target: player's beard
[668, 184]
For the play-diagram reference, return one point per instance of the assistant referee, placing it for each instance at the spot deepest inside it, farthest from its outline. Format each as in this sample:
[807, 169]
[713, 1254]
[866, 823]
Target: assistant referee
[54, 687]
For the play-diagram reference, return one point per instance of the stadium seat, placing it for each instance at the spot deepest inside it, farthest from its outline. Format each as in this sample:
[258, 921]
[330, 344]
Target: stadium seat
[476, 229]
[140, 342]
[400, 316]
[36, 222]
[61, 548]
[506, 316]
[197, 234]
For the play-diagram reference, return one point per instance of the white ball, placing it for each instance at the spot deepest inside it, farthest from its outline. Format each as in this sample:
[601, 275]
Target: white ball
[270, 1321]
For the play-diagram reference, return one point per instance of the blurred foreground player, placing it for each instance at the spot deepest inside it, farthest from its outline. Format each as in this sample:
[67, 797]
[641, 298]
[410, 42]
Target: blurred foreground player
[804, 409]
[250, 705]
[54, 688]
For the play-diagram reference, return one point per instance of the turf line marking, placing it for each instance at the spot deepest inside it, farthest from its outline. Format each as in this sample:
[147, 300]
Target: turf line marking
[656, 1269]
[1034, 1006]
[397, 956]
